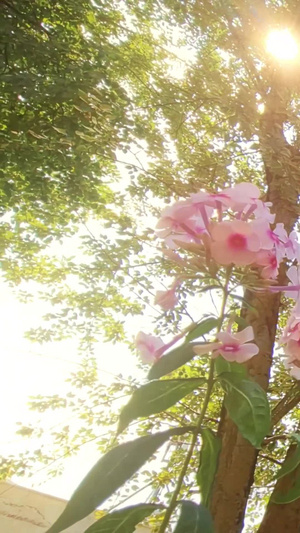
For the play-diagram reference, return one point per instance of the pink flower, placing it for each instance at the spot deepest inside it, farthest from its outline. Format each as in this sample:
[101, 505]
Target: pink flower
[150, 348]
[292, 329]
[292, 246]
[234, 242]
[268, 260]
[293, 274]
[198, 204]
[292, 350]
[262, 211]
[294, 370]
[175, 225]
[232, 346]
[166, 299]
[242, 194]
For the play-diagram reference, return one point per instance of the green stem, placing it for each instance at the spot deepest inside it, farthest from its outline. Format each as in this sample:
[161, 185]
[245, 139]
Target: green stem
[182, 474]
[210, 384]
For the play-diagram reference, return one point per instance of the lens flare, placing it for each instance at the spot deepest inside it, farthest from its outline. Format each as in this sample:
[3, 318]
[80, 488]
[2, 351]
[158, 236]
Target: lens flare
[282, 45]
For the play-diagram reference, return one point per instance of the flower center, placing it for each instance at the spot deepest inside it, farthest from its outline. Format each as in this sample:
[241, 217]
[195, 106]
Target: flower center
[237, 241]
[230, 347]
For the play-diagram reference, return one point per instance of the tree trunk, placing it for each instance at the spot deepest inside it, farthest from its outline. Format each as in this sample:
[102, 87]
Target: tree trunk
[238, 458]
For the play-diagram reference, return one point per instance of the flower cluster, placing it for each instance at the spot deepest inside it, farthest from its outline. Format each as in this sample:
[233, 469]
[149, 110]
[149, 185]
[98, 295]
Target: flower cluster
[231, 227]
[234, 227]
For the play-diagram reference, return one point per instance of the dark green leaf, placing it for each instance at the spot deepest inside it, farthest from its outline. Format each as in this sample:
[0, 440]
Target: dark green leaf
[108, 474]
[210, 449]
[291, 463]
[171, 361]
[221, 366]
[205, 326]
[241, 322]
[194, 519]
[287, 497]
[247, 405]
[125, 520]
[155, 397]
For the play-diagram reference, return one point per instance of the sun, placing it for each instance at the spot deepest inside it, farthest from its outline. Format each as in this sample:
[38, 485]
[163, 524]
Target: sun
[282, 45]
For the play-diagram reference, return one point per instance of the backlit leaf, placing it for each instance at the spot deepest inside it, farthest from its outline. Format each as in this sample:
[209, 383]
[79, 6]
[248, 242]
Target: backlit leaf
[108, 474]
[123, 521]
[194, 519]
[210, 449]
[171, 361]
[155, 397]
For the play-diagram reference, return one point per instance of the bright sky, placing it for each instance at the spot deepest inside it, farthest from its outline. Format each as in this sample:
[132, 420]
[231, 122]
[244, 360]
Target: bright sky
[28, 369]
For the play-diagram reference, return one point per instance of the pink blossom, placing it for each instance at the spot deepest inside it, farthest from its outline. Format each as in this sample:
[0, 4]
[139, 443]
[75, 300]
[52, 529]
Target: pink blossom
[232, 346]
[149, 347]
[152, 348]
[292, 350]
[166, 299]
[291, 330]
[242, 194]
[292, 246]
[200, 204]
[175, 225]
[261, 211]
[268, 260]
[293, 274]
[234, 242]
[294, 369]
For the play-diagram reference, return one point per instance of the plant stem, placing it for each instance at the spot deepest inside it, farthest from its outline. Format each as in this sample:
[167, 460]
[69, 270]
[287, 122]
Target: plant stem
[173, 502]
[210, 384]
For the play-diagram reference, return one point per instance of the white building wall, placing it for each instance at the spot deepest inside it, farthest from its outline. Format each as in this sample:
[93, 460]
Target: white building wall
[28, 511]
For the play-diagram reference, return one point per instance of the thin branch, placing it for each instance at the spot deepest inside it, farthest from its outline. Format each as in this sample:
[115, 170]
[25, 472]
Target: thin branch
[270, 458]
[286, 404]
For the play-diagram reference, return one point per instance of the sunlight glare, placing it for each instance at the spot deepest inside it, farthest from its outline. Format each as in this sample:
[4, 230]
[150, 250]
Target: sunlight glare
[282, 45]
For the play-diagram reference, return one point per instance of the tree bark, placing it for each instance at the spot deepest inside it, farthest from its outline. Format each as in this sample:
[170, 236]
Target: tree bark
[237, 457]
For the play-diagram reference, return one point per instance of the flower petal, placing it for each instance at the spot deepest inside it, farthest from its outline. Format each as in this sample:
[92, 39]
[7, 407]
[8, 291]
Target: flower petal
[245, 335]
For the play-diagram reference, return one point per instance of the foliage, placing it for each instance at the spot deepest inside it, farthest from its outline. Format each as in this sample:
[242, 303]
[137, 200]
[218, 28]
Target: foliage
[97, 133]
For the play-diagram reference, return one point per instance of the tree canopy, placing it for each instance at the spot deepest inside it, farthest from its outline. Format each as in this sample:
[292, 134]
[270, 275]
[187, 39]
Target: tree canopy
[111, 111]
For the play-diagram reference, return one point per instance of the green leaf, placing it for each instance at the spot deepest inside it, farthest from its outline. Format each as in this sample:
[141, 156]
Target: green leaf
[125, 520]
[290, 464]
[244, 302]
[171, 361]
[155, 397]
[221, 366]
[287, 497]
[205, 326]
[248, 407]
[194, 519]
[241, 322]
[108, 474]
[210, 449]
